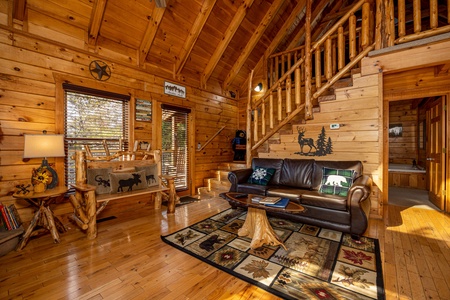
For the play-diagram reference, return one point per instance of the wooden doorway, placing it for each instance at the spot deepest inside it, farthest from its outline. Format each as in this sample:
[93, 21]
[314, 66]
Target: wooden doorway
[437, 164]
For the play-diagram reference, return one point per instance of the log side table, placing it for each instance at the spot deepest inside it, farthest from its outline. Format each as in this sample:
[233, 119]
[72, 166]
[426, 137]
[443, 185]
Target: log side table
[43, 216]
[256, 225]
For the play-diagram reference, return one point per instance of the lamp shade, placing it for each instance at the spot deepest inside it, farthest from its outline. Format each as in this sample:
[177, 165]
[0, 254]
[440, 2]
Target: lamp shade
[43, 145]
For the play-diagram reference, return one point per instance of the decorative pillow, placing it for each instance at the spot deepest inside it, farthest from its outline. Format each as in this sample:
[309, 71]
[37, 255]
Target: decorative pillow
[336, 181]
[124, 182]
[100, 179]
[261, 175]
[151, 174]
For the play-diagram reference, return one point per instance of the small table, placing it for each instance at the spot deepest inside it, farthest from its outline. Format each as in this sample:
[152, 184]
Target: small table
[43, 216]
[256, 225]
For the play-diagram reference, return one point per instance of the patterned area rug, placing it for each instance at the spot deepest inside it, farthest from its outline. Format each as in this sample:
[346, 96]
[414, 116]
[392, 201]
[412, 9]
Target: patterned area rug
[318, 264]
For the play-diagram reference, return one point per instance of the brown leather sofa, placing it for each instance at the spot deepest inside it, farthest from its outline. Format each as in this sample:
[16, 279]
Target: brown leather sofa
[300, 181]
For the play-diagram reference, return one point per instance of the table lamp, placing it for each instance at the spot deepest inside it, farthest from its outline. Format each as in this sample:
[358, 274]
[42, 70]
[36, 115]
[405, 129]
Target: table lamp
[43, 146]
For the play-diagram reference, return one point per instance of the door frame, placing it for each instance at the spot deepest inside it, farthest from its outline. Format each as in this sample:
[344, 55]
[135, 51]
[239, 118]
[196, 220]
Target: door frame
[446, 183]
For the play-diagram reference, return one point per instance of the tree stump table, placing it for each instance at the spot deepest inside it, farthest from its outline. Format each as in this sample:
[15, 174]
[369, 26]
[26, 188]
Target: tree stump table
[256, 225]
[43, 216]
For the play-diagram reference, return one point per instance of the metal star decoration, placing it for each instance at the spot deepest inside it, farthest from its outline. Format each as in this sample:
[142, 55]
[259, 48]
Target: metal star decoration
[100, 70]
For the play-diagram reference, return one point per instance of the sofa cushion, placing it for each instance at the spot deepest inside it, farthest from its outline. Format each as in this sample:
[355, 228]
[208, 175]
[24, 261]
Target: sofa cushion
[348, 165]
[315, 198]
[123, 182]
[275, 163]
[261, 175]
[151, 174]
[250, 188]
[336, 181]
[100, 179]
[297, 173]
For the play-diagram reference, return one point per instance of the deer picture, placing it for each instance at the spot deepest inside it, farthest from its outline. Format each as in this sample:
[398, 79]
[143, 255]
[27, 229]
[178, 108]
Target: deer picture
[304, 141]
[129, 182]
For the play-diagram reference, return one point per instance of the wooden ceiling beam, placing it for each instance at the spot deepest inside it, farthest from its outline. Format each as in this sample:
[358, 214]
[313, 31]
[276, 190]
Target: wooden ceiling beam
[96, 20]
[19, 9]
[285, 28]
[316, 15]
[276, 5]
[150, 33]
[194, 33]
[279, 37]
[223, 44]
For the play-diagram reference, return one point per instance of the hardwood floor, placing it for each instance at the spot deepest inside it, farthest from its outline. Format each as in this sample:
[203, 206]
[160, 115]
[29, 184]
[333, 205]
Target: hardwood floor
[128, 260]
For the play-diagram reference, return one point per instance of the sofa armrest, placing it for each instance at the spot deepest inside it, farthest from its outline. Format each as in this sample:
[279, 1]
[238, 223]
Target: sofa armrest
[359, 203]
[238, 176]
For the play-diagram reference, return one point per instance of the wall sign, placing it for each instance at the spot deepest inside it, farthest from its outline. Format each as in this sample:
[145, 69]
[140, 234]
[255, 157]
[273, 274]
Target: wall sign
[174, 89]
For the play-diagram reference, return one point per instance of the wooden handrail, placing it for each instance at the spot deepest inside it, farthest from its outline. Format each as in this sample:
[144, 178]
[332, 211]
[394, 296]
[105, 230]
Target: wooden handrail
[210, 139]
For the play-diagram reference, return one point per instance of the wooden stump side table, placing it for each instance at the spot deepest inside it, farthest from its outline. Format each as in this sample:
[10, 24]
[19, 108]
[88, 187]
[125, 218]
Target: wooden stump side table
[43, 216]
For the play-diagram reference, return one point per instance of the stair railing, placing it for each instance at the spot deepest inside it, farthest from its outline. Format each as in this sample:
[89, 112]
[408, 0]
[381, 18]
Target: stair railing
[330, 51]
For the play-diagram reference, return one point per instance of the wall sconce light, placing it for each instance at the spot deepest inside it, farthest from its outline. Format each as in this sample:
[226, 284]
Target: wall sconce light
[259, 87]
[43, 146]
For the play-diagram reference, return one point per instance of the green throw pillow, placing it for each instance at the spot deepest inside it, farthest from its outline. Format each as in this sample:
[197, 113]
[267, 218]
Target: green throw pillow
[336, 181]
[261, 175]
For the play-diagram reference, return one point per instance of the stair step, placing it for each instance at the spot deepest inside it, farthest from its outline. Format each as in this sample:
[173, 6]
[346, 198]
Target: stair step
[220, 174]
[342, 83]
[324, 98]
[232, 166]
[216, 184]
[205, 193]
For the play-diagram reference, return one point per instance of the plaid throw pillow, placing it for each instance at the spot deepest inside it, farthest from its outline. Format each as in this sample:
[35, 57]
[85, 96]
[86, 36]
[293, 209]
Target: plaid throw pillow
[261, 175]
[336, 181]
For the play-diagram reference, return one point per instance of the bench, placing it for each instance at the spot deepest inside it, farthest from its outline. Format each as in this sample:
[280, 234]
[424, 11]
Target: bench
[87, 204]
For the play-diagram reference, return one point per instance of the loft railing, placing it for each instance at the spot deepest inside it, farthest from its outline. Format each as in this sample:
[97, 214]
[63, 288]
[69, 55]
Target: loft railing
[416, 20]
[333, 55]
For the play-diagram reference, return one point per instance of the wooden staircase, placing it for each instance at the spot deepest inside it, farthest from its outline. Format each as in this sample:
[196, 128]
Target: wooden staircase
[218, 182]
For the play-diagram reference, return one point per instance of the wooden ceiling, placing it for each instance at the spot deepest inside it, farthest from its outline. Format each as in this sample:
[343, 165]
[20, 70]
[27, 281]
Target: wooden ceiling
[204, 43]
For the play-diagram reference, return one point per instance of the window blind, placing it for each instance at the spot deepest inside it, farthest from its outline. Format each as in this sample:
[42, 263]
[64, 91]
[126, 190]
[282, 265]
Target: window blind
[91, 117]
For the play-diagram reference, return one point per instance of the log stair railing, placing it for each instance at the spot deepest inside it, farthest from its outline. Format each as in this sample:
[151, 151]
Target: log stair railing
[336, 51]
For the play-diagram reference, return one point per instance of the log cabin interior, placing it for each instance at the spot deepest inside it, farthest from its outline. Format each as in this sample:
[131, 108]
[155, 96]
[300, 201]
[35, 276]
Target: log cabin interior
[370, 76]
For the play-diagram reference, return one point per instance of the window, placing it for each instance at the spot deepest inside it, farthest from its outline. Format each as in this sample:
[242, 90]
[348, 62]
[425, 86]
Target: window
[175, 158]
[92, 117]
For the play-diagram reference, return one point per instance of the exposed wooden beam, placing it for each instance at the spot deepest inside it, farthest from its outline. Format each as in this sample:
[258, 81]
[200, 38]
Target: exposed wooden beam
[223, 44]
[160, 3]
[442, 69]
[285, 28]
[96, 20]
[316, 16]
[276, 5]
[19, 9]
[150, 32]
[200, 21]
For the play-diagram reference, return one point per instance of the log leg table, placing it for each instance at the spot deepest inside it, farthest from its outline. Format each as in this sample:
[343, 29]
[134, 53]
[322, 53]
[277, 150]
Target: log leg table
[43, 216]
[256, 225]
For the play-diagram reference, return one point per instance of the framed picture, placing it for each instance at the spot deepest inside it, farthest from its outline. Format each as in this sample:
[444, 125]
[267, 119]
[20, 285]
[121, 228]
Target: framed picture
[174, 89]
[395, 130]
[143, 110]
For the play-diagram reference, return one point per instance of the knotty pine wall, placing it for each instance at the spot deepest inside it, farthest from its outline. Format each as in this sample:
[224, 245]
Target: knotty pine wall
[32, 70]
[357, 111]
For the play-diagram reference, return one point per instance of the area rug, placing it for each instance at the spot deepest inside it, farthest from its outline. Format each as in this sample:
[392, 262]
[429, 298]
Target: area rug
[318, 264]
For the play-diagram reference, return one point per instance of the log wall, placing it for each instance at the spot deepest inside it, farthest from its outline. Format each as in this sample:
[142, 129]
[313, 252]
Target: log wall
[357, 110]
[31, 72]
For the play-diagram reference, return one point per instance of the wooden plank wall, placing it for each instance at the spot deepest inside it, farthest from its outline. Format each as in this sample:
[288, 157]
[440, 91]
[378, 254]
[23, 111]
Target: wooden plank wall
[403, 149]
[31, 69]
[357, 110]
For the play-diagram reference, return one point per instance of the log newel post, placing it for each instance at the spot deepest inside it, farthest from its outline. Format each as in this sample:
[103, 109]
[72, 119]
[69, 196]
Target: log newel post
[248, 154]
[308, 98]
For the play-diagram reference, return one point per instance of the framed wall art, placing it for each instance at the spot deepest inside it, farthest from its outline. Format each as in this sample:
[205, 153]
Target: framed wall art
[143, 110]
[174, 89]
